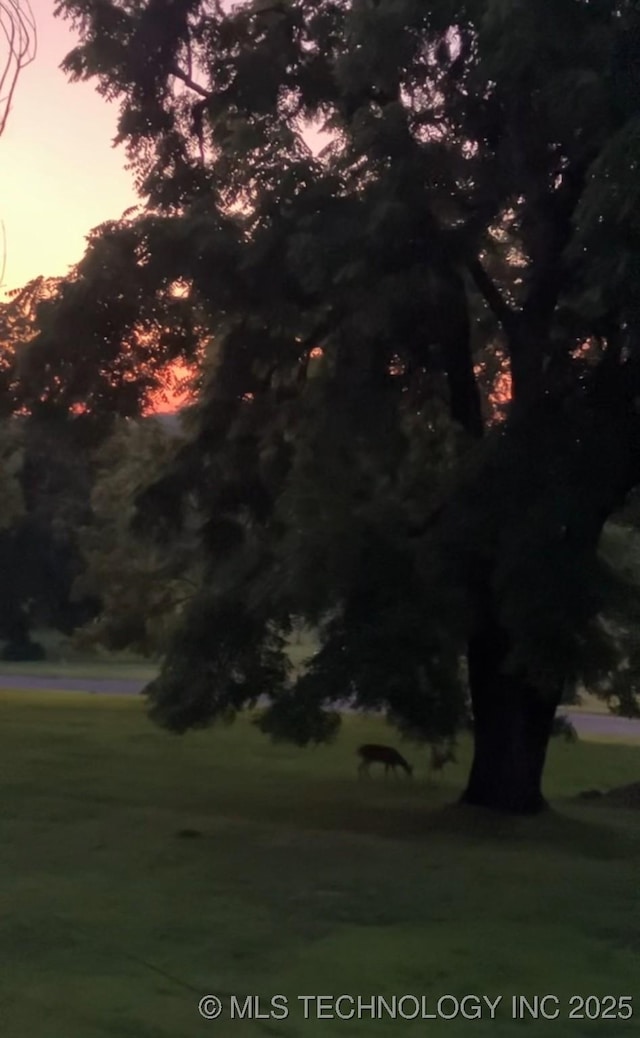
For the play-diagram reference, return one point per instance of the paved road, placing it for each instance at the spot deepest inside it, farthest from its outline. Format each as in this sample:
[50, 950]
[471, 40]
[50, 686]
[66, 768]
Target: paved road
[586, 724]
[605, 724]
[109, 686]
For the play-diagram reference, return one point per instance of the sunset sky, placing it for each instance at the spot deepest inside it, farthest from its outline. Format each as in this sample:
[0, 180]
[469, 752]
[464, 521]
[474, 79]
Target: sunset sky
[59, 175]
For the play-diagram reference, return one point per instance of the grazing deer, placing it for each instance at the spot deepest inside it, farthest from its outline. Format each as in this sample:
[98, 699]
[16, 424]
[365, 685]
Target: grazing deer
[371, 754]
[441, 756]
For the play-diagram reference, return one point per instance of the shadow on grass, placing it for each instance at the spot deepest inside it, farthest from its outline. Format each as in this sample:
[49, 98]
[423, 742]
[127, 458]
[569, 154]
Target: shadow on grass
[559, 829]
[423, 815]
[63, 759]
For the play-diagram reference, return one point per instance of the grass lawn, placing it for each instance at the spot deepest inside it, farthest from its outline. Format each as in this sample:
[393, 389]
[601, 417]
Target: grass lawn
[304, 881]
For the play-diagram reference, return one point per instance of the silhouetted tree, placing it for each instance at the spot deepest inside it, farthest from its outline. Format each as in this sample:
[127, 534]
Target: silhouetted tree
[475, 208]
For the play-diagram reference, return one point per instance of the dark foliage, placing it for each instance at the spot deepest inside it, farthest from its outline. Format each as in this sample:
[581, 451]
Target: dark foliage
[475, 208]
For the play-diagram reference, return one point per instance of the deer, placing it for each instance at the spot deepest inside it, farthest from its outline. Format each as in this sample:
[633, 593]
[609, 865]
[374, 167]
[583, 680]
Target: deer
[441, 756]
[372, 754]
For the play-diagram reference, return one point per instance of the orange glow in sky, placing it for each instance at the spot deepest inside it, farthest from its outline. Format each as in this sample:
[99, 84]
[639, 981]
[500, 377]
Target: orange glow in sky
[59, 175]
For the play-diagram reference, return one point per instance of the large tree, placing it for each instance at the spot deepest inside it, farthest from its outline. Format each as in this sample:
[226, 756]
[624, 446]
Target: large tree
[473, 209]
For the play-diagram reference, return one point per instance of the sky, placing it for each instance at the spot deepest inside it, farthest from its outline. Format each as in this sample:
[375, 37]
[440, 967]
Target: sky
[59, 174]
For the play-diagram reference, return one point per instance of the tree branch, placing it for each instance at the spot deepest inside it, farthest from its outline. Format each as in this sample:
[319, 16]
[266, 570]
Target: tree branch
[492, 296]
[191, 83]
[18, 26]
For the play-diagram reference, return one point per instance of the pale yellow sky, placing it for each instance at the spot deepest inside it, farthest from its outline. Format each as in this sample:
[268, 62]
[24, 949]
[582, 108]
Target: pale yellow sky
[59, 175]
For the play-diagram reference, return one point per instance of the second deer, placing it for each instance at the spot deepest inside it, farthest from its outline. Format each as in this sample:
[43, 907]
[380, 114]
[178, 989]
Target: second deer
[440, 757]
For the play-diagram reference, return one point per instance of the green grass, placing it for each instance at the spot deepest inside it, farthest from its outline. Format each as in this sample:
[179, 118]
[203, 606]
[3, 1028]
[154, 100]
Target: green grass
[304, 880]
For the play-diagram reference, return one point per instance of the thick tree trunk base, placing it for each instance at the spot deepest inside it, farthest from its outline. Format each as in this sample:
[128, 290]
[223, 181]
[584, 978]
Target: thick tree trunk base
[512, 728]
[505, 801]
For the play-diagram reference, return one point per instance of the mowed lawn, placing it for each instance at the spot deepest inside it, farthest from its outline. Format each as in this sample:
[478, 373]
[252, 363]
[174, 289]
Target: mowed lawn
[304, 881]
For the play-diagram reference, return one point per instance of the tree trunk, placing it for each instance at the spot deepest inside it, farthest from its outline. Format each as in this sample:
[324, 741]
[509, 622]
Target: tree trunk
[512, 728]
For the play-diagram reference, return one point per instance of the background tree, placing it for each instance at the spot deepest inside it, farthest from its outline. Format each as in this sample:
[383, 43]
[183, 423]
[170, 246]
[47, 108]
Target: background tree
[64, 412]
[467, 212]
[142, 587]
[38, 547]
[19, 31]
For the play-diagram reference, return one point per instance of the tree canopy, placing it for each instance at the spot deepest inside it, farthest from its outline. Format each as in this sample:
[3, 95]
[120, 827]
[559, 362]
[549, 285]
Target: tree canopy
[382, 214]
